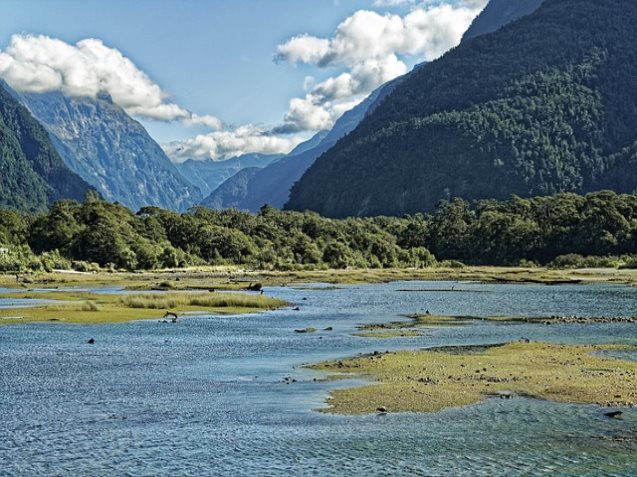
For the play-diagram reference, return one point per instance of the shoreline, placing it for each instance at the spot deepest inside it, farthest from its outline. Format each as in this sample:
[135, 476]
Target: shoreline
[232, 278]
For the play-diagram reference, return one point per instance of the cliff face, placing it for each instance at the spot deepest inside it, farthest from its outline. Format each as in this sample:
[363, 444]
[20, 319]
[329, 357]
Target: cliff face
[111, 151]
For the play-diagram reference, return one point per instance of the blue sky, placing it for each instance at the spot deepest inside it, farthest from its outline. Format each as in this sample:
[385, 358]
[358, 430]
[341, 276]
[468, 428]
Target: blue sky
[215, 57]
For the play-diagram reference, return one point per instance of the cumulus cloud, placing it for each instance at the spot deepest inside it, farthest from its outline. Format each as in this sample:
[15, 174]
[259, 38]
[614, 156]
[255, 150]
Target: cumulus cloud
[371, 47]
[207, 120]
[38, 63]
[220, 145]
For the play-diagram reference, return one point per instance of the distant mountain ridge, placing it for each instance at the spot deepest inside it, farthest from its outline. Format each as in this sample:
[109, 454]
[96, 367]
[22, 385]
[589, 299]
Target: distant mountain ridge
[32, 174]
[111, 151]
[252, 189]
[544, 105]
[207, 174]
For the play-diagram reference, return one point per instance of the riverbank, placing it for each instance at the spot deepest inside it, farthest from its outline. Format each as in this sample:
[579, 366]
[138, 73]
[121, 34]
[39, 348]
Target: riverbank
[96, 308]
[435, 379]
[233, 278]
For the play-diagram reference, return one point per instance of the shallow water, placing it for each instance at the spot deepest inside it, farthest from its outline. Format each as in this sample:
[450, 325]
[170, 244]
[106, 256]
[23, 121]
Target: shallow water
[206, 396]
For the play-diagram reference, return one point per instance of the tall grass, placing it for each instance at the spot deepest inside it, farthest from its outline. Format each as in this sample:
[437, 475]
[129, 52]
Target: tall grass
[204, 300]
[81, 306]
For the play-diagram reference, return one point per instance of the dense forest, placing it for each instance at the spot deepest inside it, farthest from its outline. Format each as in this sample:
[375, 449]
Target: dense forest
[32, 174]
[559, 230]
[546, 104]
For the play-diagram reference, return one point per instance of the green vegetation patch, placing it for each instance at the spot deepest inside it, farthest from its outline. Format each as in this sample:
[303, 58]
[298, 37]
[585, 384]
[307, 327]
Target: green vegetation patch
[93, 308]
[432, 380]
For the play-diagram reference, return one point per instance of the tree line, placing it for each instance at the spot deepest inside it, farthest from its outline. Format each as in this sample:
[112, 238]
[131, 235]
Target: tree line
[598, 229]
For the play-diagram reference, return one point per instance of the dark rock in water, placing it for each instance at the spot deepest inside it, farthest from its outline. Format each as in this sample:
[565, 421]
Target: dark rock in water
[296, 309]
[91, 341]
[329, 328]
[613, 414]
[504, 394]
[381, 410]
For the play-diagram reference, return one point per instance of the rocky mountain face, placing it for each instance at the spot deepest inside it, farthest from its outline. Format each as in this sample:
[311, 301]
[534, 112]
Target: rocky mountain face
[32, 174]
[544, 105]
[111, 151]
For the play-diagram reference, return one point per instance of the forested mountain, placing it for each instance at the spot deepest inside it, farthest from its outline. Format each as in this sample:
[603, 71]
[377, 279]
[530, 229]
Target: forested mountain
[543, 105]
[207, 174]
[32, 174]
[252, 189]
[111, 151]
[498, 13]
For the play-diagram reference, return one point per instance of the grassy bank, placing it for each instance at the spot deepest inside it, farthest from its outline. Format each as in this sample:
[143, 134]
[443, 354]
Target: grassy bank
[93, 308]
[432, 380]
[233, 278]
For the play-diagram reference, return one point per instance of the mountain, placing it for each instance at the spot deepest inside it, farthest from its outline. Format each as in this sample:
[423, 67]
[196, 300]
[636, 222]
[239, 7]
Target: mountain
[32, 174]
[271, 185]
[111, 151]
[498, 13]
[207, 174]
[546, 104]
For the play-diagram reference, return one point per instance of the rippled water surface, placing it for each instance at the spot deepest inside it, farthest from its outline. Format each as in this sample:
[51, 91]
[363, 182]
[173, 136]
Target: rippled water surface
[207, 396]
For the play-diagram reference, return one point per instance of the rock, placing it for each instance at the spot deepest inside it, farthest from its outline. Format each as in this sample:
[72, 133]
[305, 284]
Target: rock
[504, 394]
[381, 410]
[296, 309]
[91, 341]
[329, 328]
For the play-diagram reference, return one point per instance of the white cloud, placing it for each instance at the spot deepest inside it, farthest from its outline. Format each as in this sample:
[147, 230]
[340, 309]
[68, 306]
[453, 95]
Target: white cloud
[220, 145]
[392, 3]
[37, 64]
[211, 122]
[369, 45]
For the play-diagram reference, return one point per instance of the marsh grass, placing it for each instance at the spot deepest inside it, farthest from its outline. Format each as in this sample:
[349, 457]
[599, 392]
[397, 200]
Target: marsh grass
[208, 300]
[432, 380]
[93, 308]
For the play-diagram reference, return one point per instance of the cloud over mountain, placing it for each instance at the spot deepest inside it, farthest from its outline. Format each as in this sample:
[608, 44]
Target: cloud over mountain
[370, 46]
[219, 145]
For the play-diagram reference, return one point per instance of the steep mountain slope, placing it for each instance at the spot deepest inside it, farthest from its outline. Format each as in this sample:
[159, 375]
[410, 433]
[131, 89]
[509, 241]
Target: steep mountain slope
[111, 151]
[272, 184]
[32, 174]
[207, 174]
[498, 13]
[543, 105]
[232, 193]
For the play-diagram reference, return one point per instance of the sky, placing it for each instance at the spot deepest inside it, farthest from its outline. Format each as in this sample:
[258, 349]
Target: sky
[218, 78]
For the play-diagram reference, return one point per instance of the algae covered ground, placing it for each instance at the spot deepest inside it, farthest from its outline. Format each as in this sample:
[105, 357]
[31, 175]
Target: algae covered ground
[100, 308]
[432, 380]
